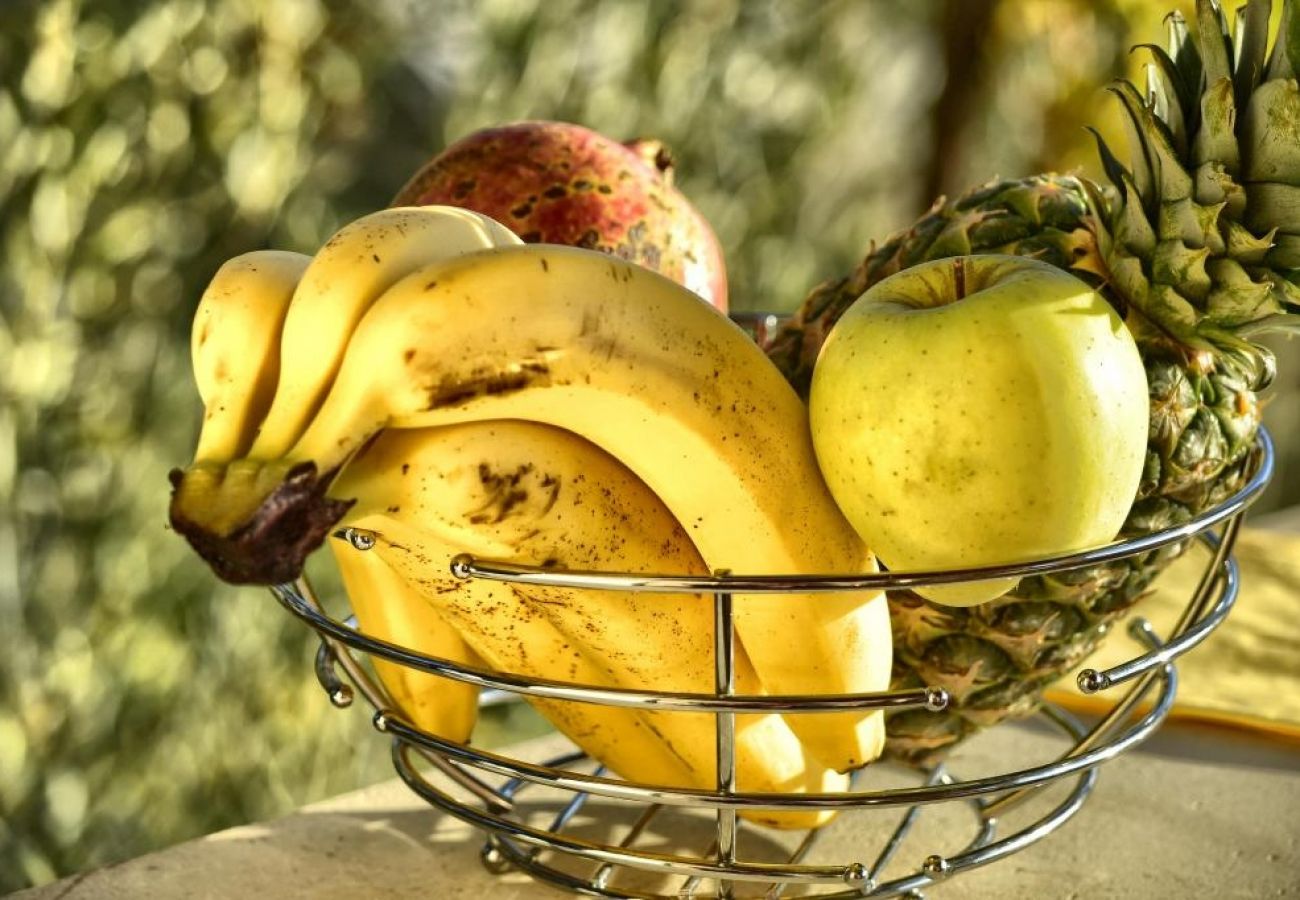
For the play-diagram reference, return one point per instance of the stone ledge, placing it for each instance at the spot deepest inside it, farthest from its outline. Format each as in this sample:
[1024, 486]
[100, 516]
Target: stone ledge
[1196, 812]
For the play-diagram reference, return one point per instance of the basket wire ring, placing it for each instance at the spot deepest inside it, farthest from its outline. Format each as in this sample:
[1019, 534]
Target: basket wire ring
[513, 843]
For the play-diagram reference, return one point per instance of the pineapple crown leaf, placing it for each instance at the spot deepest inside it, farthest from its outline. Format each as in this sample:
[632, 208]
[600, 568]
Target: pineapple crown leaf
[1199, 234]
[1132, 228]
[1256, 370]
[1287, 293]
[1253, 302]
[1175, 263]
[1183, 51]
[1274, 205]
[1216, 139]
[1192, 64]
[1284, 62]
[1285, 253]
[1175, 84]
[1177, 317]
[1172, 180]
[1110, 164]
[1269, 127]
[1252, 46]
[1244, 246]
[1193, 223]
[1279, 323]
[1166, 97]
[1100, 198]
[1237, 297]
[1215, 185]
[1290, 285]
[1215, 41]
[1141, 167]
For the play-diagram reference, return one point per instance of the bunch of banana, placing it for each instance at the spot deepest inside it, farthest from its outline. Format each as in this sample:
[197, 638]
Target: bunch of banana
[524, 492]
[266, 341]
[638, 380]
[347, 275]
[328, 299]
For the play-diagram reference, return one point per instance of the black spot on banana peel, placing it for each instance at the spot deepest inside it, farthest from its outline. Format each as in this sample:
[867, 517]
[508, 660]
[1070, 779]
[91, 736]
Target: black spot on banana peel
[520, 376]
[271, 545]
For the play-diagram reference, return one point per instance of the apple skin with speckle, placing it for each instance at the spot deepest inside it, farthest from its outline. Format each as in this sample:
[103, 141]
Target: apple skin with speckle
[980, 411]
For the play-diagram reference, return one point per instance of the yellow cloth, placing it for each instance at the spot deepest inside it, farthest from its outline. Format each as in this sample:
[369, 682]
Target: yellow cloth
[1247, 672]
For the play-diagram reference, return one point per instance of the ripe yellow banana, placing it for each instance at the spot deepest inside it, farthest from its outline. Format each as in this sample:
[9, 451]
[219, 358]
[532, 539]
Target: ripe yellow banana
[642, 368]
[533, 493]
[668, 386]
[210, 501]
[386, 607]
[235, 347]
[348, 272]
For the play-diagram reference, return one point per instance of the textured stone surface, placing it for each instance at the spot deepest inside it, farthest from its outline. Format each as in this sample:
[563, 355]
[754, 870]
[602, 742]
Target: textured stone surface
[1194, 812]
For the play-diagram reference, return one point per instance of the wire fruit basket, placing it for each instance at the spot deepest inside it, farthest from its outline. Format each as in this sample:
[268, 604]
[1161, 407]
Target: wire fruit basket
[1005, 811]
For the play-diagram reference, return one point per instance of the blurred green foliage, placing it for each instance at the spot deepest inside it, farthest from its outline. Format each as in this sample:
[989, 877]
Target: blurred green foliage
[142, 144]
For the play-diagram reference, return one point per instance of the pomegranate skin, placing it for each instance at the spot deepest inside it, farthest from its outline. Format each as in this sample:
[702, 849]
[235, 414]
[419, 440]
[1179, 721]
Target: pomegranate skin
[559, 183]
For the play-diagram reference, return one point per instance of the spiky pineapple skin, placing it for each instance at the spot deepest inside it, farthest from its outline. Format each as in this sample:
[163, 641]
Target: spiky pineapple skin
[1042, 216]
[996, 659]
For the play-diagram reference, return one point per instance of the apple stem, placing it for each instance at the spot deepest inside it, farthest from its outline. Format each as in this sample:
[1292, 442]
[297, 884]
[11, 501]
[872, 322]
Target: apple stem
[959, 277]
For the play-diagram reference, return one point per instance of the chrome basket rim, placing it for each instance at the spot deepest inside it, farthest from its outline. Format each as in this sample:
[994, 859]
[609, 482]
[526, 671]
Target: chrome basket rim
[512, 843]
[465, 566]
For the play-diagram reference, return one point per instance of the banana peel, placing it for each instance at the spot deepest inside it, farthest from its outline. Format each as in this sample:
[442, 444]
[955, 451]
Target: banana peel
[249, 534]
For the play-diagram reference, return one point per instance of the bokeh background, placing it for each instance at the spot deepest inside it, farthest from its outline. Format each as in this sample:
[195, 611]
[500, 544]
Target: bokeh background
[142, 144]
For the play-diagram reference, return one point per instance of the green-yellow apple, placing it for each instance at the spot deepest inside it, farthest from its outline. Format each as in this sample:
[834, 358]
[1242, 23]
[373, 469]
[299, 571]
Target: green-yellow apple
[977, 411]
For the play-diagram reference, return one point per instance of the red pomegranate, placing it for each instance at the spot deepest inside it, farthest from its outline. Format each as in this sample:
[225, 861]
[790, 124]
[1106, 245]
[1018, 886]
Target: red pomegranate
[558, 183]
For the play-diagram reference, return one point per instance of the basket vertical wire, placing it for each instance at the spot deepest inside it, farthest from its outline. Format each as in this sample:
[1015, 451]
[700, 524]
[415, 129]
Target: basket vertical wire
[513, 843]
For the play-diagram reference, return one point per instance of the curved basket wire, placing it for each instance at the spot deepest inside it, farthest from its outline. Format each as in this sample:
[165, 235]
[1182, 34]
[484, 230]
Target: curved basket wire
[513, 842]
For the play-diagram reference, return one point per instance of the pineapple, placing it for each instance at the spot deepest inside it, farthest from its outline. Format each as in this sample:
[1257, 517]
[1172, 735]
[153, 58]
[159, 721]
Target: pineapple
[1196, 243]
